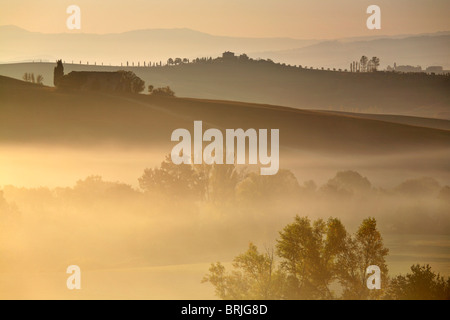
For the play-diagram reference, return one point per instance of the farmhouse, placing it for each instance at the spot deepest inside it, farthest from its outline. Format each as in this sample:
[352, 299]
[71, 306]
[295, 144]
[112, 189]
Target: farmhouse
[228, 55]
[118, 81]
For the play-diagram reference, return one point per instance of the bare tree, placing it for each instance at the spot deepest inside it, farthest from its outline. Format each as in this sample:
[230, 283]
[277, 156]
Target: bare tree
[40, 79]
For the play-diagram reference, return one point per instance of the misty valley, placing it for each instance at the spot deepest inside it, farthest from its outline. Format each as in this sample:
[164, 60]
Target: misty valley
[180, 217]
[229, 177]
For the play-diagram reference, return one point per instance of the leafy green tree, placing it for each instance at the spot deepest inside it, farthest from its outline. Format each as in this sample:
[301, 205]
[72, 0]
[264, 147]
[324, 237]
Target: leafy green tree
[94, 188]
[164, 92]
[421, 284]
[421, 187]
[138, 85]
[314, 256]
[309, 252]
[347, 183]
[364, 249]
[255, 187]
[254, 277]
[130, 82]
[177, 181]
[244, 57]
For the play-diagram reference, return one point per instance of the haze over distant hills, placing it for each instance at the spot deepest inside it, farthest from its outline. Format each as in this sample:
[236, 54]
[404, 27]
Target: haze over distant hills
[139, 45]
[159, 44]
[251, 81]
[426, 50]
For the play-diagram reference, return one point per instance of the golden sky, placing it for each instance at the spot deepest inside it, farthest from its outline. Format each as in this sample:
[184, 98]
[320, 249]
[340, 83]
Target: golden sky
[246, 18]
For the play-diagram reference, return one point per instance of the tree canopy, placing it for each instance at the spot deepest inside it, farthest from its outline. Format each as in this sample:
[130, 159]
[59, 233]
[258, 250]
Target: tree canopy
[314, 257]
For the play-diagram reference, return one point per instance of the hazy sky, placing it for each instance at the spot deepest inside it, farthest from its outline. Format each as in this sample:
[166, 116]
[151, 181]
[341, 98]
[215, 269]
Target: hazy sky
[247, 18]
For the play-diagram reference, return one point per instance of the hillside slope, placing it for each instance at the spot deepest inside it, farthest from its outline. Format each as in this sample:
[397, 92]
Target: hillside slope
[413, 121]
[418, 95]
[35, 114]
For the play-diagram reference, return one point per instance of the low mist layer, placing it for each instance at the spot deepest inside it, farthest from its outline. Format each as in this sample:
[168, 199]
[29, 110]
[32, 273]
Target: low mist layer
[189, 216]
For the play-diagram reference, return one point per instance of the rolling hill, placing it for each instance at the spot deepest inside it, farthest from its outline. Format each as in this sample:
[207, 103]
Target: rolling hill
[32, 114]
[413, 121]
[418, 95]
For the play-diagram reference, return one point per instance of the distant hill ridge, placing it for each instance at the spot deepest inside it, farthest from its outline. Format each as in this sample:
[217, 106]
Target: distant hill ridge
[418, 95]
[160, 44]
